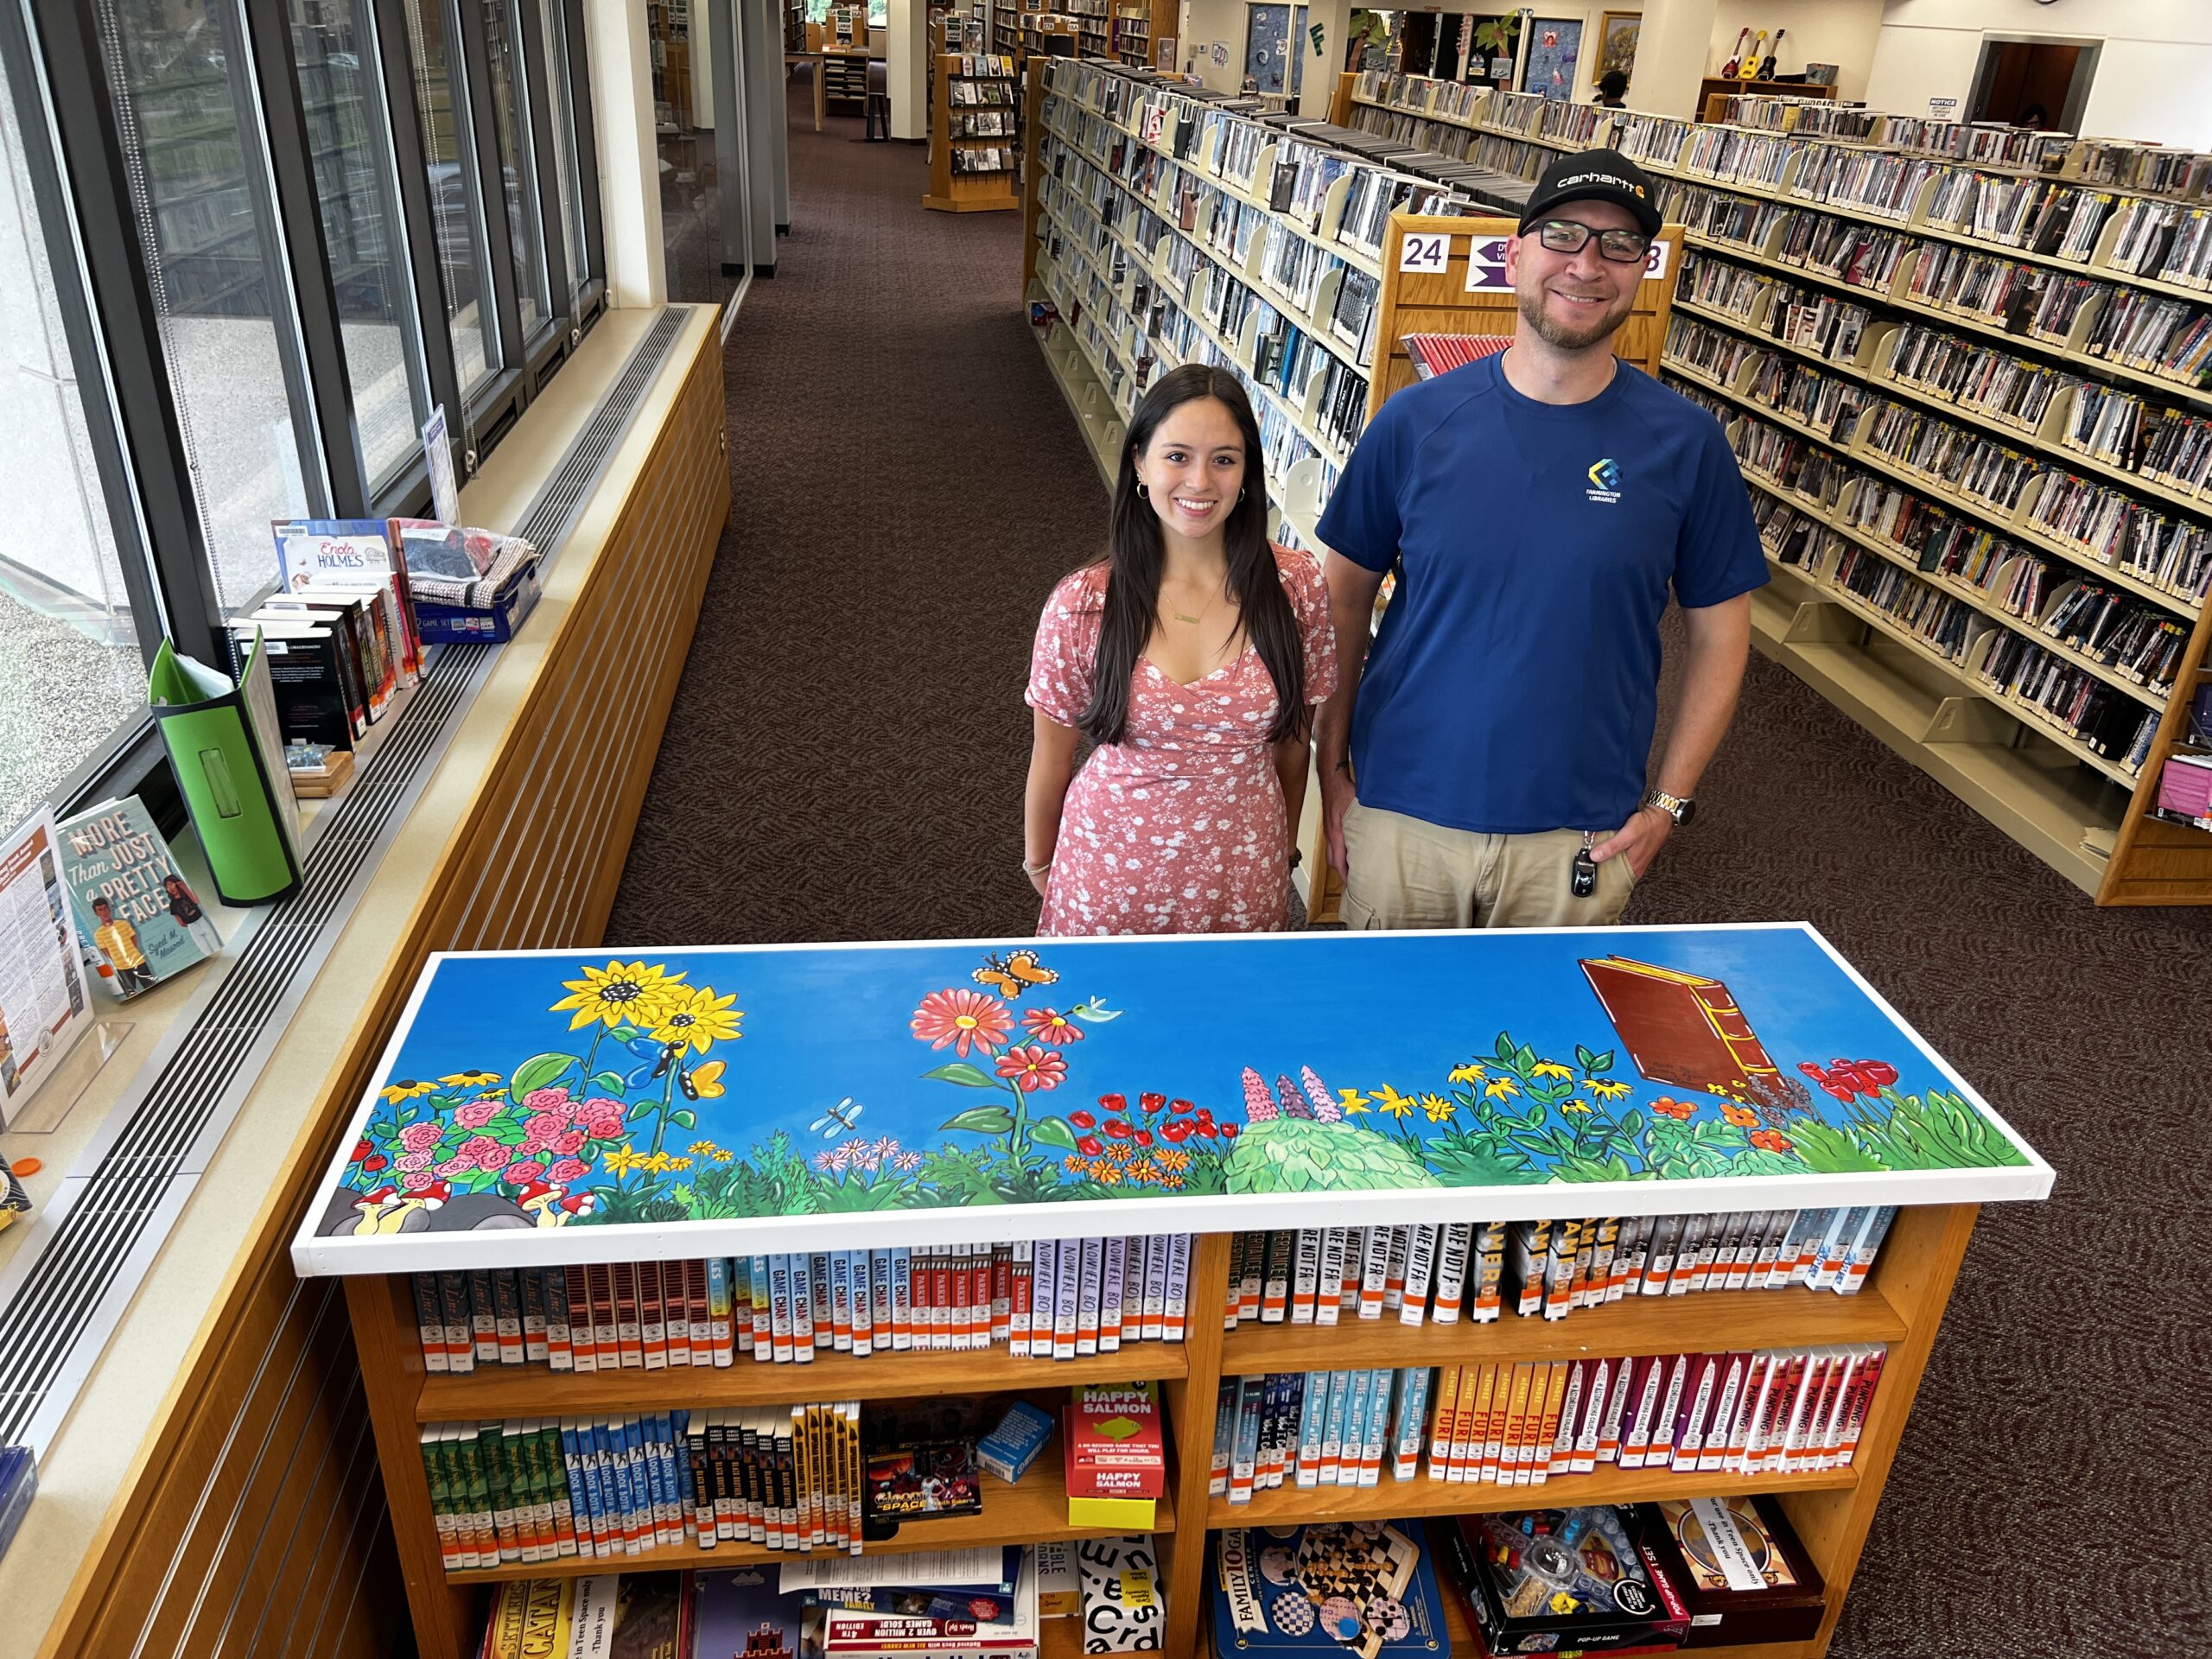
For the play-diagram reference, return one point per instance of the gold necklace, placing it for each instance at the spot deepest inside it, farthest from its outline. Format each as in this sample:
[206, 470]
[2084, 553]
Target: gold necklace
[1203, 613]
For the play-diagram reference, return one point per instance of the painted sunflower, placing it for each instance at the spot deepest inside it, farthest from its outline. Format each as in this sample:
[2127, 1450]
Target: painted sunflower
[618, 994]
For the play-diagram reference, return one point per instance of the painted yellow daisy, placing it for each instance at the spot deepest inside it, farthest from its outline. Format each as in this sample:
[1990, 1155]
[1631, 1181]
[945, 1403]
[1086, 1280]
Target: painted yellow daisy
[1607, 1089]
[1355, 1103]
[1552, 1068]
[698, 1018]
[1500, 1089]
[618, 994]
[471, 1079]
[625, 1159]
[1106, 1175]
[1144, 1171]
[1393, 1102]
[1473, 1071]
[704, 1149]
[677, 1163]
[1171, 1179]
[1438, 1107]
[1574, 1105]
[1076, 1165]
[1119, 1154]
[1172, 1158]
[407, 1089]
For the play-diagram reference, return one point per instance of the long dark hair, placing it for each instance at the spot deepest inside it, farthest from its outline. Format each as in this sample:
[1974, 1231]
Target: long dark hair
[1134, 554]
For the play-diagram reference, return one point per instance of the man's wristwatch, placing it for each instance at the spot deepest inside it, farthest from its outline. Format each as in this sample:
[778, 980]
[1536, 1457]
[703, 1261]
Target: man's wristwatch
[1681, 808]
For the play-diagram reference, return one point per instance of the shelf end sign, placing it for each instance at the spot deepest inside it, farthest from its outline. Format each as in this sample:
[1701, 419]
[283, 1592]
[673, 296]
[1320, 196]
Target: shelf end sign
[1486, 263]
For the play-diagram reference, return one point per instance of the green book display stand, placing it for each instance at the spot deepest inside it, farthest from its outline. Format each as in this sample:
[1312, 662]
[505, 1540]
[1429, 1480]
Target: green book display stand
[222, 742]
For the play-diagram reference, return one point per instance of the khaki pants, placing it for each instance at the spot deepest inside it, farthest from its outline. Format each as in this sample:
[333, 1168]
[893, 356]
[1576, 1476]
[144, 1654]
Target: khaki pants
[1403, 872]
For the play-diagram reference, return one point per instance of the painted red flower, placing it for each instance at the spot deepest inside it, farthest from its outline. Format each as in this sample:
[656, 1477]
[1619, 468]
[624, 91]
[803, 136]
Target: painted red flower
[963, 1020]
[1742, 1116]
[1089, 1145]
[1118, 1128]
[1152, 1102]
[1177, 1129]
[1051, 1026]
[1678, 1109]
[1228, 1131]
[1207, 1130]
[1836, 1085]
[1179, 1107]
[1032, 1069]
[362, 1148]
[1770, 1141]
[1082, 1119]
[1144, 1137]
[372, 1165]
[1115, 1104]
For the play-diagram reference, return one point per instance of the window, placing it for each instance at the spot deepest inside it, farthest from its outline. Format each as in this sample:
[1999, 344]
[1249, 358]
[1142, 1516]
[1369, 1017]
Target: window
[357, 193]
[456, 203]
[199, 195]
[558, 96]
[518, 159]
[245, 246]
[70, 671]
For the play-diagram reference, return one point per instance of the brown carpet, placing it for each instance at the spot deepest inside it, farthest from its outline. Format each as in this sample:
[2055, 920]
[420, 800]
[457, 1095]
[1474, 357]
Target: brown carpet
[845, 761]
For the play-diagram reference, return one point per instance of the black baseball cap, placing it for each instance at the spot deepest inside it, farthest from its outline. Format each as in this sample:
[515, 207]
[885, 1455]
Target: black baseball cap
[1595, 175]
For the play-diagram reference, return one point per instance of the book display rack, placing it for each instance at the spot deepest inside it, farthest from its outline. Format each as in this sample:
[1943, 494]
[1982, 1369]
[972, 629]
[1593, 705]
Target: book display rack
[1967, 393]
[975, 134]
[1965, 370]
[1786, 994]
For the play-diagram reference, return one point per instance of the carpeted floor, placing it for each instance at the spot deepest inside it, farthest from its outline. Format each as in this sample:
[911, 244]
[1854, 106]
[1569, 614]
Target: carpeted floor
[845, 761]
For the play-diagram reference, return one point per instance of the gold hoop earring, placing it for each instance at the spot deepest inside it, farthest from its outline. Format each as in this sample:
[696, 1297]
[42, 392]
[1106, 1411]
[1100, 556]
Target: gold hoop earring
[1143, 494]
[1241, 494]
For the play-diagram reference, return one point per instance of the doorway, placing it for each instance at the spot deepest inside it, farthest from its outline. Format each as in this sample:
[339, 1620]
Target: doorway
[2034, 83]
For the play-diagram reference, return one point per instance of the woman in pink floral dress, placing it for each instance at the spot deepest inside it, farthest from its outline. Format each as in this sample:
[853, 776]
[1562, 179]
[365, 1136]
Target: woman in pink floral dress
[1192, 656]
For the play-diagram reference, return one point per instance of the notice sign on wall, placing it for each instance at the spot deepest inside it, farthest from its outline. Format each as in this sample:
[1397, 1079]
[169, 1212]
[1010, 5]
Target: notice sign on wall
[1943, 109]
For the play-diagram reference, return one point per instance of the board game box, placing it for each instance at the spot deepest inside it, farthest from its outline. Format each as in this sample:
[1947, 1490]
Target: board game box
[1739, 1567]
[741, 1614]
[1544, 1580]
[1364, 1588]
[932, 1477]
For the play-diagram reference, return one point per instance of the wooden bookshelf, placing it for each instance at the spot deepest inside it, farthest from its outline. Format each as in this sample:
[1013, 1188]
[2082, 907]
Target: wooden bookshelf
[1902, 1305]
[1714, 91]
[1994, 749]
[952, 192]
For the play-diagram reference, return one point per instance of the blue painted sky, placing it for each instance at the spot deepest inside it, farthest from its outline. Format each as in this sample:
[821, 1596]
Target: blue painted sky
[1362, 1009]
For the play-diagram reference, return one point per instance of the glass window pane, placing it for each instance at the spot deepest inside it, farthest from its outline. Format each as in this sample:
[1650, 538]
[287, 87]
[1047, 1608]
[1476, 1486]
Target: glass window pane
[70, 667]
[560, 93]
[198, 178]
[333, 42]
[448, 156]
[518, 158]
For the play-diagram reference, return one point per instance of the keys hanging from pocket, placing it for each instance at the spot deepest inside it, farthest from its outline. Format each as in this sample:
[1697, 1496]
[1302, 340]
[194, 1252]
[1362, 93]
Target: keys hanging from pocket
[1583, 881]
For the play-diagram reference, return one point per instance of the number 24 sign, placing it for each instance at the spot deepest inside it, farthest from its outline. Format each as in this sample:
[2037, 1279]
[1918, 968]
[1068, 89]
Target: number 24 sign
[1429, 253]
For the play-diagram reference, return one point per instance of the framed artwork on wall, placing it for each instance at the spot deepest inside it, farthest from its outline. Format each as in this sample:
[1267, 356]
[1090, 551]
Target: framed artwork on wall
[1554, 49]
[1617, 37]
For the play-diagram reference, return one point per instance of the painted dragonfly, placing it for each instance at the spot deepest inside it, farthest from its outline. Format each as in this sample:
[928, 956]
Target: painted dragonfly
[835, 1122]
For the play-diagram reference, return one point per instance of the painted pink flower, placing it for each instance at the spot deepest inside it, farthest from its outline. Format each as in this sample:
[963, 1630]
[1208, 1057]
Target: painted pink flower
[1051, 1026]
[478, 1148]
[568, 1143]
[963, 1020]
[415, 1161]
[522, 1170]
[477, 1113]
[1032, 1070]
[598, 1106]
[420, 1137]
[417, 1181]
[545, 1100]
[454, 1166]
[541, 1129]
[567, 1170]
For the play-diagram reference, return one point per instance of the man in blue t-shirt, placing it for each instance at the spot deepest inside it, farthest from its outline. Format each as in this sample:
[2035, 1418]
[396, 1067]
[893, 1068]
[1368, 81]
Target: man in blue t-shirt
[1538, 506]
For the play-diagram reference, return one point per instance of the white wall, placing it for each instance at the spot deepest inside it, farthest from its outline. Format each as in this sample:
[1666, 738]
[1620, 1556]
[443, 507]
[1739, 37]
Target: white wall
[1841, 32]
[907, 67]
[1205, 22]
[2152, 79]
[629, 164]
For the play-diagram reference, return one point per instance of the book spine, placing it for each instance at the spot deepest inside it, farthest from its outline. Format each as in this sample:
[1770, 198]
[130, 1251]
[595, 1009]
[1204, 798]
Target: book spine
[1602, 1377]
[1274, 1281]
[1047, 1295]
[902, 1299]
[1001, 1294]
[1155, 1287]
[430, 1331]
[1177, 1287]
[841, 1302]
[1453, 1246]
[1067, 1310]
[1408, 1421]
[822, 1315]
[560, 1334]
[803, 1303]
[1373, 1270]
[1113, 1264]
[863, 1306]
[1306, 1275]
[1087, 1302]
[459, 1322]
[484, 1296]
[1394, 1269]
[1329, 1288]
[1224, 1437]
[652, 1316]
[1243, 1469]
[1252, 1279]
[1421, 1263]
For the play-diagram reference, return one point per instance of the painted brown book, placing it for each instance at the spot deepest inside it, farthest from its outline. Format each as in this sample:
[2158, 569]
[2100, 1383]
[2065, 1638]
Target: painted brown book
[1680, 1028]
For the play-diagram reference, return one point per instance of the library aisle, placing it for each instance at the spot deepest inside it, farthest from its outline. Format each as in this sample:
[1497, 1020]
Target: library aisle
[907, 483]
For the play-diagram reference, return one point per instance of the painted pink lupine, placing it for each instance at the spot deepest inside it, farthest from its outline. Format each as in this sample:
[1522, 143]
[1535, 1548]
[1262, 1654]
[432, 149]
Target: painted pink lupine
[1258, 1106]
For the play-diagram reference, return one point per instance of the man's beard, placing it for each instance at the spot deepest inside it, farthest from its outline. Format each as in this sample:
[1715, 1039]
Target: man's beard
[1565, 339]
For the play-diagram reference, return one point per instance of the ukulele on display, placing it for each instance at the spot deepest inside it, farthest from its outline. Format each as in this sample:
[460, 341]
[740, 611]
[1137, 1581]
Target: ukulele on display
[1736, 58]
[1766, 63]
[1750, 69]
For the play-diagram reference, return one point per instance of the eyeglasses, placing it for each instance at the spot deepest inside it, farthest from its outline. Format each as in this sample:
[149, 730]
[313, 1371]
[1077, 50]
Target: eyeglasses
[1619, 247]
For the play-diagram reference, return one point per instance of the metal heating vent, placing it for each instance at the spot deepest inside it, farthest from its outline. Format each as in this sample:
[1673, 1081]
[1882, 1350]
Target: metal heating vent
[66, 1288]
